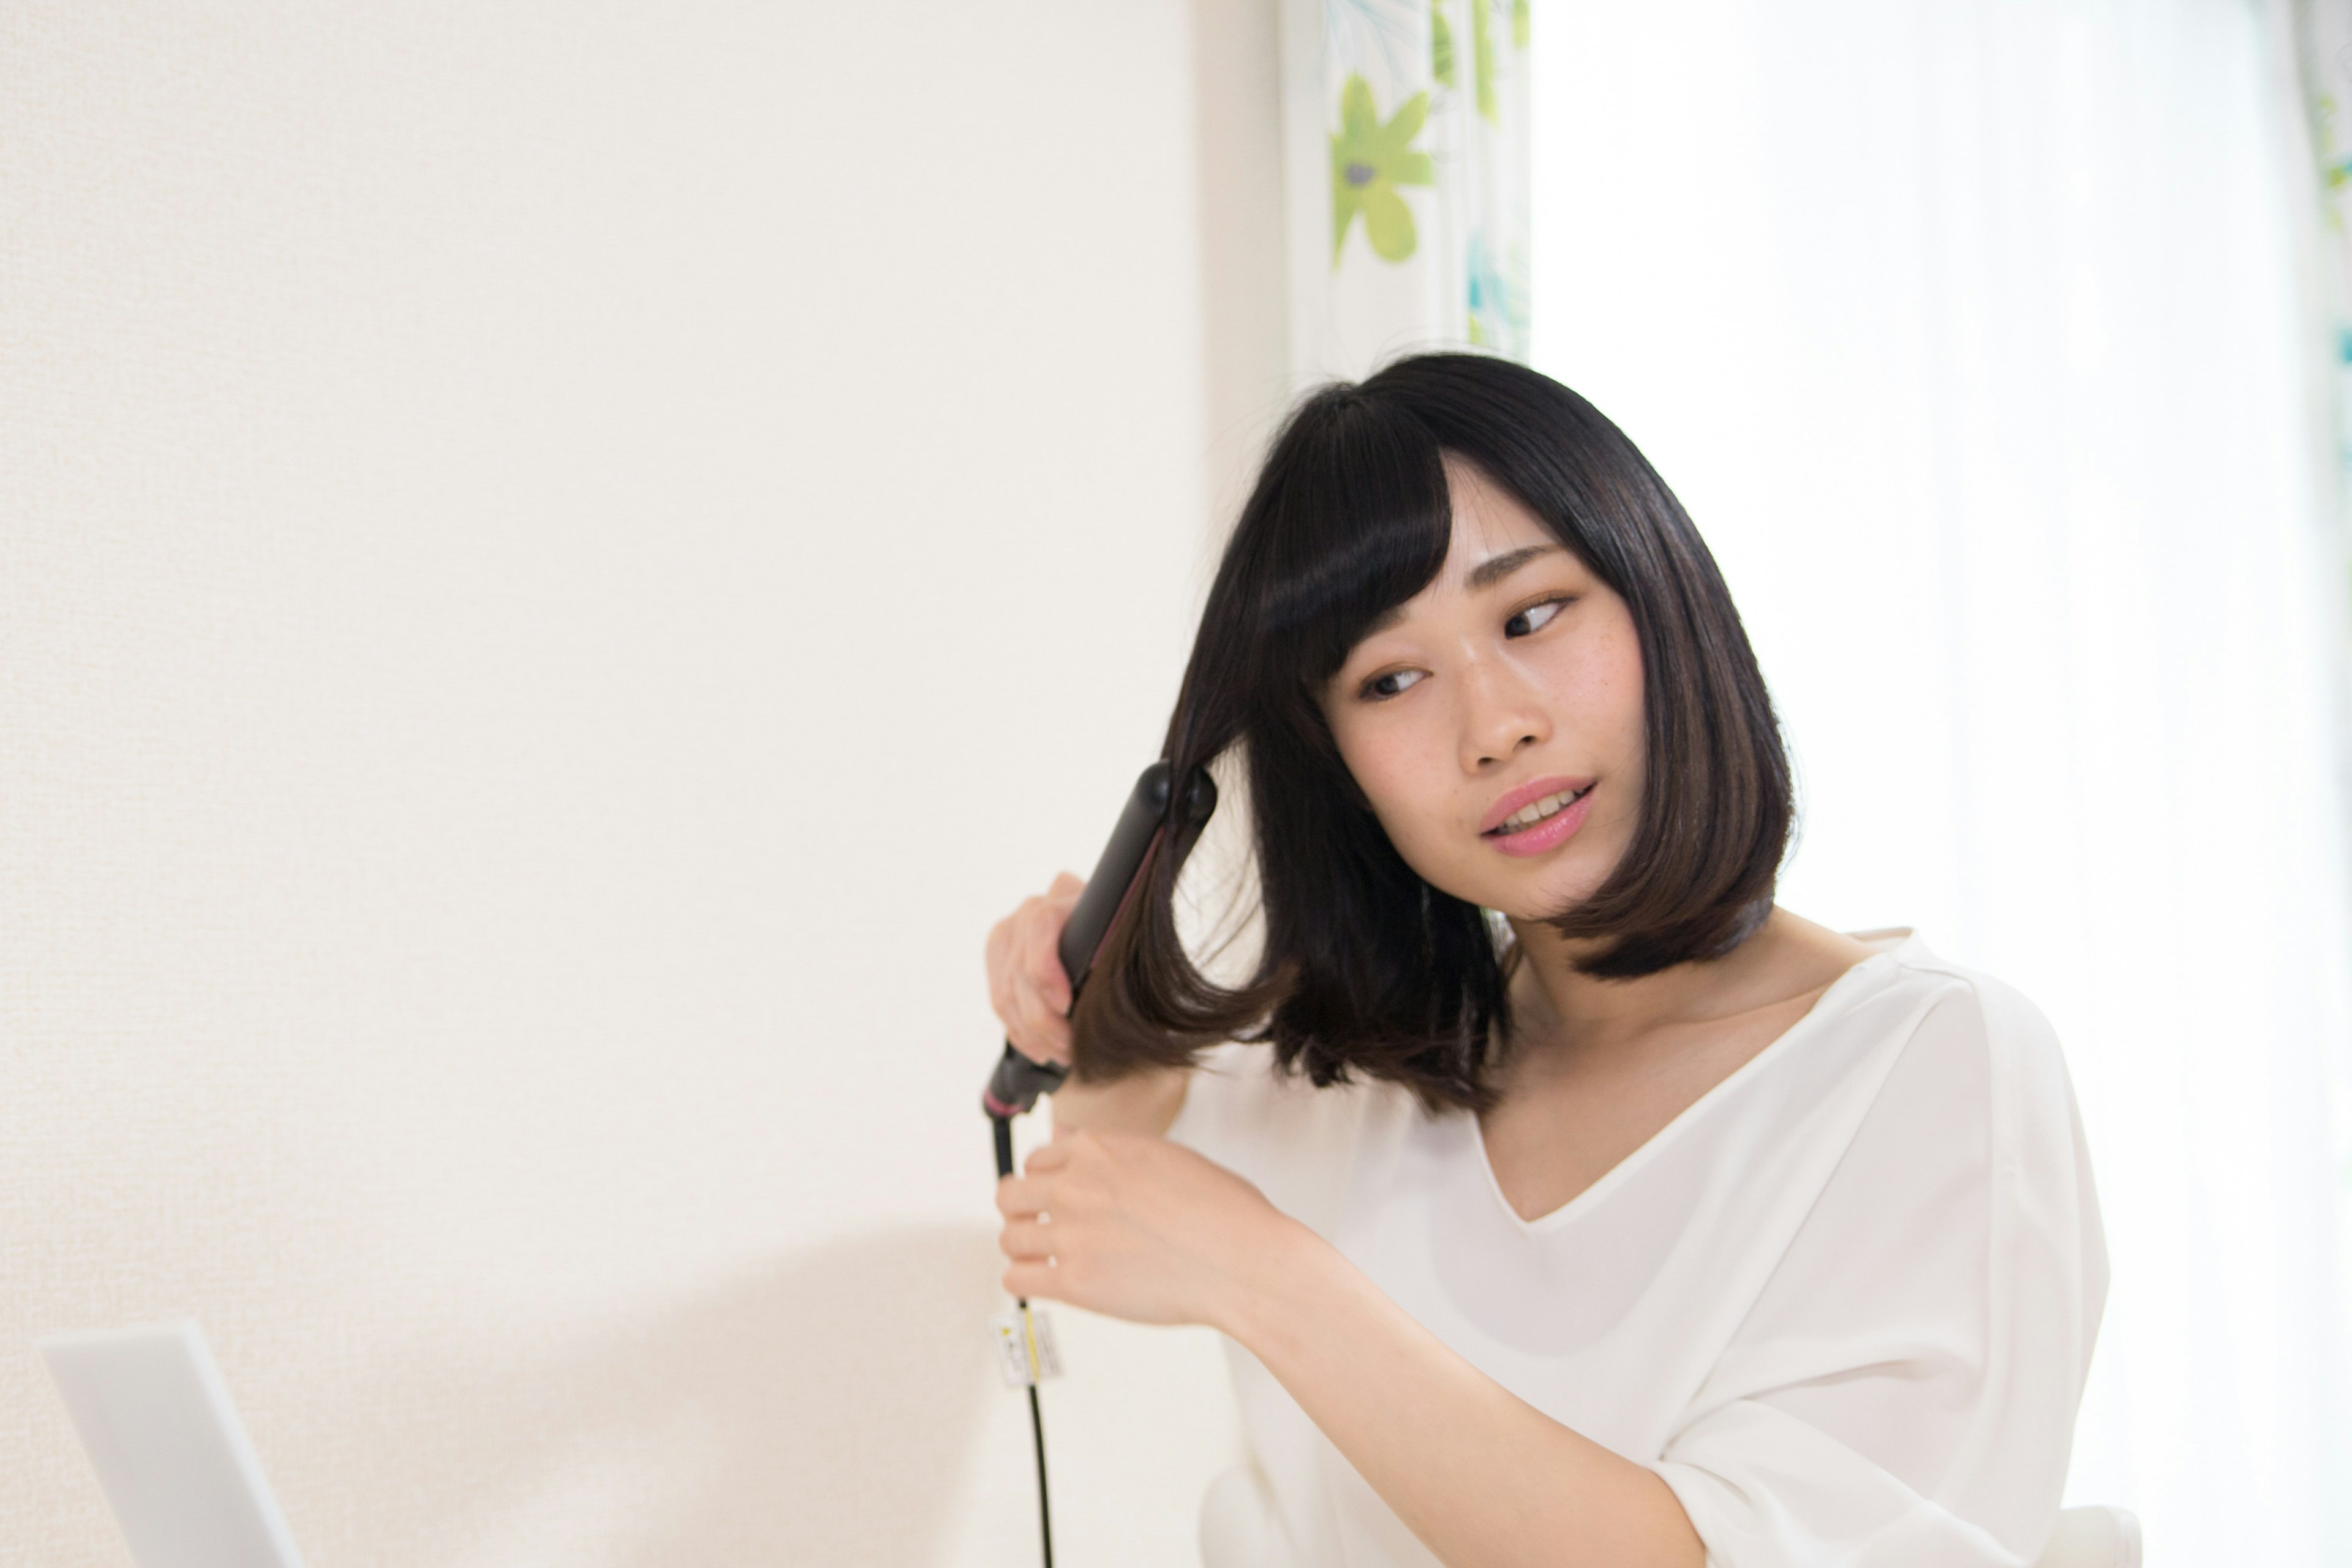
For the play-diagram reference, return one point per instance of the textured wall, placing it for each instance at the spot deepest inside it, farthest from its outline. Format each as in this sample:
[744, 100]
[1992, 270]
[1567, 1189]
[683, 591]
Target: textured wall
[558, 564]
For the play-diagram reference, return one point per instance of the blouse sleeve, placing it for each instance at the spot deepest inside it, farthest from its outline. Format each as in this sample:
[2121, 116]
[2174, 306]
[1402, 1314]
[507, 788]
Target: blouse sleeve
[1292, 1141]
[1903, 1391]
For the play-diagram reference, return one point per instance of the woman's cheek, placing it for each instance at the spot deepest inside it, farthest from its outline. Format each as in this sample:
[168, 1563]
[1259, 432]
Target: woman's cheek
[1407, 825]
[1406, 772]
[1445, 857]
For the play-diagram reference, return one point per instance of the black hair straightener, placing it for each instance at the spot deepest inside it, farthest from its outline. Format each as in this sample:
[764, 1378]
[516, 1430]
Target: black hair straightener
[1013, 1087]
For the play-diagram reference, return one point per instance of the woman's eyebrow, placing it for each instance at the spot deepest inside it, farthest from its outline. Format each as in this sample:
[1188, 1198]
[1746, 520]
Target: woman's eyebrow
[1495, 568]
[1486, 575]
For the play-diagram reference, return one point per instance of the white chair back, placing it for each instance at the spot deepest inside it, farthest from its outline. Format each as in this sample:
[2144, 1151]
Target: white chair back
[2093, 1538]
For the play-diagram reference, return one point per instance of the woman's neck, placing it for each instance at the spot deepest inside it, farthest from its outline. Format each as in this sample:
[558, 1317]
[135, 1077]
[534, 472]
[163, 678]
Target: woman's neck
[1572, 1008]
[1575, 1013]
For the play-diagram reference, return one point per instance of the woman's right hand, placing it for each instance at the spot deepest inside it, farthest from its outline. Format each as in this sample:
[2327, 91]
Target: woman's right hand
[1026, 983]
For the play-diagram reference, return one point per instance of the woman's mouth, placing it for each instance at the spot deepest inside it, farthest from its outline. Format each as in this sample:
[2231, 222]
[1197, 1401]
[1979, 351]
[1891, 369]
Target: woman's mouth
[1542, 824]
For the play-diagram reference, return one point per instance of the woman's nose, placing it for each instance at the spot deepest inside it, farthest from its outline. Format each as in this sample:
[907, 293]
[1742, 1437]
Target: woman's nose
[1502, 716]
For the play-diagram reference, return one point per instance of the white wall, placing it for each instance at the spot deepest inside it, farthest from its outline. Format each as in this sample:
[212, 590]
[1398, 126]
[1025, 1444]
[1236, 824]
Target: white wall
[557, 565]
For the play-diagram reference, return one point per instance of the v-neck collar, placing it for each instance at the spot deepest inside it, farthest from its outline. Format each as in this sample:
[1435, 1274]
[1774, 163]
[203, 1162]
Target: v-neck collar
[1836, 997]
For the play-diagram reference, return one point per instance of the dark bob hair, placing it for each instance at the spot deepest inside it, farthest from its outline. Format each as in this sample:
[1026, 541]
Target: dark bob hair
[1366, 968]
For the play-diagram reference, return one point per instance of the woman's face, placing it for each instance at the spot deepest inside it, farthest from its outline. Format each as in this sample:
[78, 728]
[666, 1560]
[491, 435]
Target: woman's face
[1495, 718]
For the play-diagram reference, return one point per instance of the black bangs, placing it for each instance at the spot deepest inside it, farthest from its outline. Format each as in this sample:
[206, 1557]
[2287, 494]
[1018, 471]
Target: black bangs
[1367, 971]
[1357, 522]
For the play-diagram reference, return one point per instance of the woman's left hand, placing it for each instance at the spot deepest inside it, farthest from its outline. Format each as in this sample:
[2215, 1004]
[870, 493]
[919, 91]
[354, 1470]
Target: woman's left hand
[1139, 1227]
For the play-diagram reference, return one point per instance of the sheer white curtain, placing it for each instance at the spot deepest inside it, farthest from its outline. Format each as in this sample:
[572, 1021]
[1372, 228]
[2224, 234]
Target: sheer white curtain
[1972, 335]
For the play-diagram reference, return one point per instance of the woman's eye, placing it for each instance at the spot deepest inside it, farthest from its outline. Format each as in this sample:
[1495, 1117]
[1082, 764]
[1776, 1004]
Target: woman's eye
[1391, 683]
[1534, 617]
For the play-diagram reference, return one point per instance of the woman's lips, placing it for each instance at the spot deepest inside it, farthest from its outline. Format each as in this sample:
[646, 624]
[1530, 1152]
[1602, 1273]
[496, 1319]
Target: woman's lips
[1550, 833]
[1513, 802]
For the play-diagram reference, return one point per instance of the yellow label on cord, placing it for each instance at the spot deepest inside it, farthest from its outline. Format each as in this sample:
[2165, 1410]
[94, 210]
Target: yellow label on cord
[1026, 1353]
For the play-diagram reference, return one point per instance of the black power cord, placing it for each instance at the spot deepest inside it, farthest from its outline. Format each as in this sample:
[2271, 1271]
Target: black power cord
[1002, 1127]
[1017, 1081]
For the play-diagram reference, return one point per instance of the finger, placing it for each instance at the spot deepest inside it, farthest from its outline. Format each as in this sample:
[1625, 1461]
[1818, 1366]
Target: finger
[999, 938]
[1021, 1198]
[1000, 988]
[1047, 1158]
[1052, 1032]
[992, 956]
[1066, 890]
[1041, 1033]
[1043, 1018]
[1006, 955]
[1036, 1282]
[1043, 962]
[1024, 1240]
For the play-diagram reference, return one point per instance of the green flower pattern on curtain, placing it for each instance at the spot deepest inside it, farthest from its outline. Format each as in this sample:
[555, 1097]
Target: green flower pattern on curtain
[2323, 49]
[1368, 161]
[1482, 54]
[1416, 114]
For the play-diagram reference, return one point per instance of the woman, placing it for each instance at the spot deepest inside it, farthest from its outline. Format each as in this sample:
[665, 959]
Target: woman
[1573, 1203]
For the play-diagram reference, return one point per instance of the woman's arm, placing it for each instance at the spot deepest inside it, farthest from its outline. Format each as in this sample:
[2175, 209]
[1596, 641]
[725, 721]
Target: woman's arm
[1479, 1474]
[1148, 1230]
[1144, 1103]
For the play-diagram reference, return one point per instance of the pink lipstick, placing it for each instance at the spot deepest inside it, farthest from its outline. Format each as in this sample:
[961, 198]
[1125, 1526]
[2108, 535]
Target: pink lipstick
[1546, 833]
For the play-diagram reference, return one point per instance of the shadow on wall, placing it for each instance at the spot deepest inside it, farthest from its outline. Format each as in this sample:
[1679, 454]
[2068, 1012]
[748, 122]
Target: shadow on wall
[824, 1410]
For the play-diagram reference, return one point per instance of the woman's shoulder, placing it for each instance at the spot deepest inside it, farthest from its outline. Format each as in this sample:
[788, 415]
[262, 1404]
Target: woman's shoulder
[1979, 1023]
[1295, 1141]
[1238, 1093]
[1896, 963]
[1979, 1100]
[1982, 1006]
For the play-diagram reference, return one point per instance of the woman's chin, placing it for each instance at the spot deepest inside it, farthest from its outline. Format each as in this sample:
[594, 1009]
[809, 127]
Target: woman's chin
[1545, 906]
[1543, 891]
[1549, 898]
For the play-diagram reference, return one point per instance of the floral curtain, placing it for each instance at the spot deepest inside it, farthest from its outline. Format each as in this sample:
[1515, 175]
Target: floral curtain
[2321, 47]
[1406, 124]
[2316, 37]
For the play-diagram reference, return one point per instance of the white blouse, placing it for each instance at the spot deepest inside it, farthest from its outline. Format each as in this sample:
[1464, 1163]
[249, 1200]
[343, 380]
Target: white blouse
[1843, 1304]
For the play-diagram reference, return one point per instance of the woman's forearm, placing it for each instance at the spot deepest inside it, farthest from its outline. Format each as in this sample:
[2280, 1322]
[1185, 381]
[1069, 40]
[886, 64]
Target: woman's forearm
[1145, 1103]
[1483, 1477]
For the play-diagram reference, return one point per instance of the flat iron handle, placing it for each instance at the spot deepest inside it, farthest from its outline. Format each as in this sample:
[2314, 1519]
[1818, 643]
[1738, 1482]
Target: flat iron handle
[1017, 1081]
